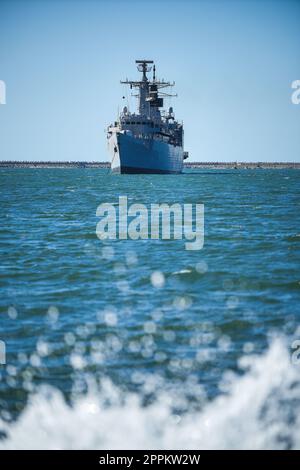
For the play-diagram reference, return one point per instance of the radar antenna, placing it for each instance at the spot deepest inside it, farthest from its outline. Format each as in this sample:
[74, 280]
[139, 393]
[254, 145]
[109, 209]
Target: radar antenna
[144, 67]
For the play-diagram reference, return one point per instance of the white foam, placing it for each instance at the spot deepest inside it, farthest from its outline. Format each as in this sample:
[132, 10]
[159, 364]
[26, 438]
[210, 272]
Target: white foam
[259, 411]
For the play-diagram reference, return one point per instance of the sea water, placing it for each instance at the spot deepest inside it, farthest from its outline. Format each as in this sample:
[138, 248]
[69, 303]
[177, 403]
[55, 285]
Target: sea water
[141, 343]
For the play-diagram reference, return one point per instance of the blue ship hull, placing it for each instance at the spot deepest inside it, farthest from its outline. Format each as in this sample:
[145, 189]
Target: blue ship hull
[131, 154]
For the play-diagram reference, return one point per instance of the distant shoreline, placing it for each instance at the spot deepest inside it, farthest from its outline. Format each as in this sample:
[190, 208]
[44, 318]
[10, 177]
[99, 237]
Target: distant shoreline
[209, 165]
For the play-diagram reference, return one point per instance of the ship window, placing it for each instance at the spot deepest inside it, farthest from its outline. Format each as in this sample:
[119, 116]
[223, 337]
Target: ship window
[133, 122]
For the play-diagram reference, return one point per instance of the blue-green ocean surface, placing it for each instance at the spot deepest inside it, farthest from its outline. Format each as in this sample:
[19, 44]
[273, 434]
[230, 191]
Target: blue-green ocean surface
[100, 355]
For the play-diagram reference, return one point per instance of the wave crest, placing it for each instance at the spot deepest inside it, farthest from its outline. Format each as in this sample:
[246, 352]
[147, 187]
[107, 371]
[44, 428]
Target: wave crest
[260, 410]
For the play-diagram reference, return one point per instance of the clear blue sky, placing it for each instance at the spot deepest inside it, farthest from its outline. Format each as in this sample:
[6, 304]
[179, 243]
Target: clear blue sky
[233, 63]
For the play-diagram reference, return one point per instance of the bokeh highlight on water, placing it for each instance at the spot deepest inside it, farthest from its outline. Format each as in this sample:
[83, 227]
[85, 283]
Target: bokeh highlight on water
[143, 329]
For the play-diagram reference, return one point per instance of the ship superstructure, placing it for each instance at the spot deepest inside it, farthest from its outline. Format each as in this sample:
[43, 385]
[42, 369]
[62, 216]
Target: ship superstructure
[151, 140]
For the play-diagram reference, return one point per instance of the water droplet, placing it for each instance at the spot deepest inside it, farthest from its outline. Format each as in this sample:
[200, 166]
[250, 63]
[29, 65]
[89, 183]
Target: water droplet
[157, 279]
[12, 313]
[201, 267]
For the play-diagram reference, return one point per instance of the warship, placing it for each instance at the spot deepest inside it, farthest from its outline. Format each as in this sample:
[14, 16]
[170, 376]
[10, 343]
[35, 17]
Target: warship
[150, 140]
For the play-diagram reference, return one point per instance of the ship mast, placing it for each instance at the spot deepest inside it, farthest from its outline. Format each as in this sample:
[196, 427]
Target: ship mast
[148, 91]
